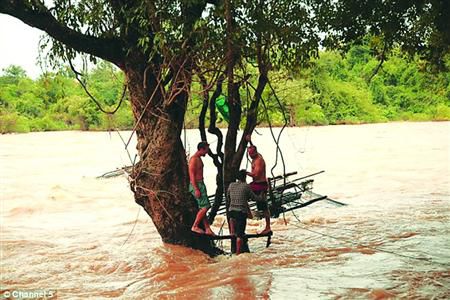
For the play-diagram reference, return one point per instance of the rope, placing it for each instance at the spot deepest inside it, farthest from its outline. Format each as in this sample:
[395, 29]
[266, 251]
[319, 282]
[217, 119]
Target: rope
[424, 259]
[219, 243]
[303, 147]
[77, 74]
[320, 233]
[133, 163]
[277, 141]
[132, 229]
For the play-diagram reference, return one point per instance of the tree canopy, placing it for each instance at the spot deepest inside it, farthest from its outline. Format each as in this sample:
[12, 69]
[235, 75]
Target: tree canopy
[289, 31]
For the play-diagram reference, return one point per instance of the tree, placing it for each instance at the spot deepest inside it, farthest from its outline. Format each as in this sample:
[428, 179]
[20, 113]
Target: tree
[163, 46]
[12, 74]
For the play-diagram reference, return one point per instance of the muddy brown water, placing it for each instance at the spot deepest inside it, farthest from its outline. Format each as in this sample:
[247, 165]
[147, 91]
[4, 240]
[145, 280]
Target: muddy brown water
[65, 231]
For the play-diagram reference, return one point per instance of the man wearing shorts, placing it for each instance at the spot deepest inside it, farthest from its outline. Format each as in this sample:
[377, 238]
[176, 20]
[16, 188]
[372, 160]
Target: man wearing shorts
[198, 189]
[238, 195]
[259, 185]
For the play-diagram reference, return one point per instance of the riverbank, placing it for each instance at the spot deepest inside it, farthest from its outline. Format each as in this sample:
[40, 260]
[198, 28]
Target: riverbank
[261, 125]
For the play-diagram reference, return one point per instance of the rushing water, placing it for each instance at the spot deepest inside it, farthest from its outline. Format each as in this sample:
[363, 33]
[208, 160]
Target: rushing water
[64, 231]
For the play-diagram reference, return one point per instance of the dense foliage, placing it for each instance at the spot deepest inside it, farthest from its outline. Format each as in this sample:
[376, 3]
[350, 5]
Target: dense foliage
[333, 90]
[56, 101]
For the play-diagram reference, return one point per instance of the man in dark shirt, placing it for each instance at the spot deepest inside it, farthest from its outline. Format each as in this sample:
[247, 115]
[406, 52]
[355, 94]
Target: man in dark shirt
[237, 196]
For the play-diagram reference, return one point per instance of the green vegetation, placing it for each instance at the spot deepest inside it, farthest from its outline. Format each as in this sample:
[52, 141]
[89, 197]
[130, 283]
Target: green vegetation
[56, 101]
[337, 90]
[334, 90]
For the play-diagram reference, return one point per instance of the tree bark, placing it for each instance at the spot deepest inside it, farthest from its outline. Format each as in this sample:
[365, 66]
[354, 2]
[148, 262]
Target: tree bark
[160, 178]
[218, 156]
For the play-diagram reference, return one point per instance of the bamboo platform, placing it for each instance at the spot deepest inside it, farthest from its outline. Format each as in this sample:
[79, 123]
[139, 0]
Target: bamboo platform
[246, 237]
[286, 194]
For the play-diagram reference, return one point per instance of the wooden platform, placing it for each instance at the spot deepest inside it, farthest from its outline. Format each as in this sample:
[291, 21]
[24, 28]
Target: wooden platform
[246, 237]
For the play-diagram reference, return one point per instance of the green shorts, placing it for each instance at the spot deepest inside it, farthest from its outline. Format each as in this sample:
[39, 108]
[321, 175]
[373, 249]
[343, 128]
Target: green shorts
[203, 201]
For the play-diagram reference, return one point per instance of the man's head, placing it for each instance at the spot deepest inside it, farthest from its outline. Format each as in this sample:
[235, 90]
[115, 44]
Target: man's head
[252, 151]
[241, 175]
[203, 148]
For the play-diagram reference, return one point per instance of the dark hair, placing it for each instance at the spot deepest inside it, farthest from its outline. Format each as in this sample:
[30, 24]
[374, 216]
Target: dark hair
[202, 145]
[253, 147]
[241, 175]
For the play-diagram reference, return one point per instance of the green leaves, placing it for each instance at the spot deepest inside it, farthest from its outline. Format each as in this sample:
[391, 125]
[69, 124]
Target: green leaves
[55, 101]
[416, 26]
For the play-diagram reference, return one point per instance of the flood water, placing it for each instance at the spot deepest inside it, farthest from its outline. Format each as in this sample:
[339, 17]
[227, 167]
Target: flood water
[65, 231]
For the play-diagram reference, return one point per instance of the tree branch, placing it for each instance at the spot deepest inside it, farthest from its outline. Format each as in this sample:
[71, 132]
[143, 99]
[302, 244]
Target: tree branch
[212, 117]
[252, 113]
[77, 74]
[36, 14]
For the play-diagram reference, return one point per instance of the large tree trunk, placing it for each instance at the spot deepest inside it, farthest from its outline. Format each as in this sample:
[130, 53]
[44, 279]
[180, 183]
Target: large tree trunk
[160, 178]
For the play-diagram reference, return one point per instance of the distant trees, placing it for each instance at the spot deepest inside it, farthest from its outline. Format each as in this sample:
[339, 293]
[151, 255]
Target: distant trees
[56, 101]
[334, 89]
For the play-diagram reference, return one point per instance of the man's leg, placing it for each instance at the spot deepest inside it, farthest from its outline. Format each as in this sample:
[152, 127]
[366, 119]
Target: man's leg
[241, 223]
[201, 214]
[238, 245]
[232, 226]
[203, 203]
[267, 229]
[206, 224]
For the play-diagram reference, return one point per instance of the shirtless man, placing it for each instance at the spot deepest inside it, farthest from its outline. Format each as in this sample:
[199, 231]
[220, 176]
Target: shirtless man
[198, 189]
[259, 185]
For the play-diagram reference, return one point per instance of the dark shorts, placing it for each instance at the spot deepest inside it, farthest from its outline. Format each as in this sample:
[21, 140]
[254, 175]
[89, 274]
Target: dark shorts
[240, 222]
[260, 188]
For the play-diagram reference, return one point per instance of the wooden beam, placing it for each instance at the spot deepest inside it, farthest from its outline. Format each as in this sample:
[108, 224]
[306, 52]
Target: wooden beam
[247, 236]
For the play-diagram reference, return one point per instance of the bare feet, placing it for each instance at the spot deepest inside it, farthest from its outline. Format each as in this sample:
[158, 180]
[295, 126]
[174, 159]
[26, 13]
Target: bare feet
[197, 230]
[266, 231]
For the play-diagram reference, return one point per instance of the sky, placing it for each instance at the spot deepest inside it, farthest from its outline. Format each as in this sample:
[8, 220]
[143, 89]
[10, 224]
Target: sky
[19, 45]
